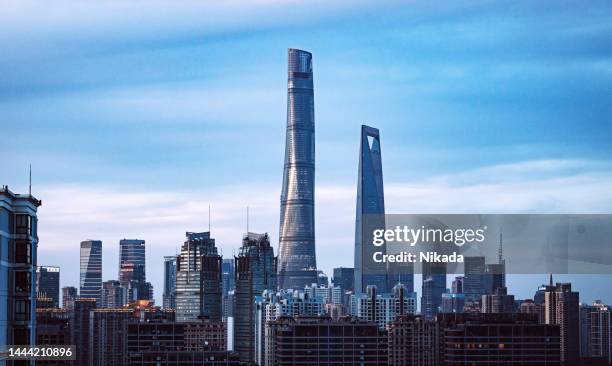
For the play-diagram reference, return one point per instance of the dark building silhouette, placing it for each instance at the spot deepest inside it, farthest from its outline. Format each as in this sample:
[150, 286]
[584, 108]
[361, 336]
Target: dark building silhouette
[474, 278]
[109, 336]
[19, 242]
[344, 277]
[297, 260]
[256, 271]
[81, 331]
[52, 328]
[324, 341]
[200, 342]
[169, 294]
[497, 339]
[47, 283]
[413, 341]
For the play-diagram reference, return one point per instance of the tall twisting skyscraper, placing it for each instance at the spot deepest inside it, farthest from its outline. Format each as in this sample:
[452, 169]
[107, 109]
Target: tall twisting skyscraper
[297, 240]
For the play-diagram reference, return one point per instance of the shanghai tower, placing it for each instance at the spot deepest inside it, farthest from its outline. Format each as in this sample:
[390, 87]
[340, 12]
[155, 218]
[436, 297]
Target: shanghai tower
[297, 265]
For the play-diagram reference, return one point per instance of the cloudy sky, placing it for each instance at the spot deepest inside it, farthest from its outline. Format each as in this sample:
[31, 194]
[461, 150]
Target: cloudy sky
[136, 116]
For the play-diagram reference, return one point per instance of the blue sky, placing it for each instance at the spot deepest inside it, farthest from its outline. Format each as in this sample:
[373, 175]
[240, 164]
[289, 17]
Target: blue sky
[137, 116]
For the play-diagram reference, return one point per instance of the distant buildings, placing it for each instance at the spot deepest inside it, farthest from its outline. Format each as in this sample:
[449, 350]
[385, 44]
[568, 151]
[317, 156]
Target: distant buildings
[47, 283]
[169, 294]
[19, 242]
[347, 341]
[383, 308]
[69, 295]
[91, 270]
[499, 302]
[297, 260]
[256, 271]
[344, 277]
[114, 295]
[198, 278]
[452, 303]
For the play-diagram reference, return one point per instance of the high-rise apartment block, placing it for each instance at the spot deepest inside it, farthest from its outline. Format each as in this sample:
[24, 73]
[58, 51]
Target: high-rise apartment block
[19, 243]
[561, 307]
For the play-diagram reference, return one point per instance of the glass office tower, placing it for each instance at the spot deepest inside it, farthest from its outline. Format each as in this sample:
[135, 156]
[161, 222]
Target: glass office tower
[132, 260]
[48, 283]
[297, 266]
[91, 270]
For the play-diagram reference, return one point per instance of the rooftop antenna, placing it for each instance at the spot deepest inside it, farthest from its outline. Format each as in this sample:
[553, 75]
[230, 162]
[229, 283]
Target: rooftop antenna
[209, 218]
[30, 186]
[247, 221]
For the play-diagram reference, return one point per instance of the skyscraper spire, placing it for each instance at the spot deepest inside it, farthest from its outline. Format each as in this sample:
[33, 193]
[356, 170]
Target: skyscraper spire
[550, 280]
[500, 251]
[297, 264]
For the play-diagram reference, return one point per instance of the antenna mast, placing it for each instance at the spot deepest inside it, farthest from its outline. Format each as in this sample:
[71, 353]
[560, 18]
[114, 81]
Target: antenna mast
[30, 185]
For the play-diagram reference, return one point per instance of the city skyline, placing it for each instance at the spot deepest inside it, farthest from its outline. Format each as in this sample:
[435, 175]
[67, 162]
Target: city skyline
[106, 148]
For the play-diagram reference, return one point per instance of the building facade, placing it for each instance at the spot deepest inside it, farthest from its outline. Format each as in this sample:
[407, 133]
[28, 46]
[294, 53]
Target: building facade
[297, 260]
[347, 341]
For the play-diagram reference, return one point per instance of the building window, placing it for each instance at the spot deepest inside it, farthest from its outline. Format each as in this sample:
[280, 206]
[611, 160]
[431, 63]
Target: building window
[21, 336]
[23, 224]
[23, 252]
[22, 310]
[22, 281]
